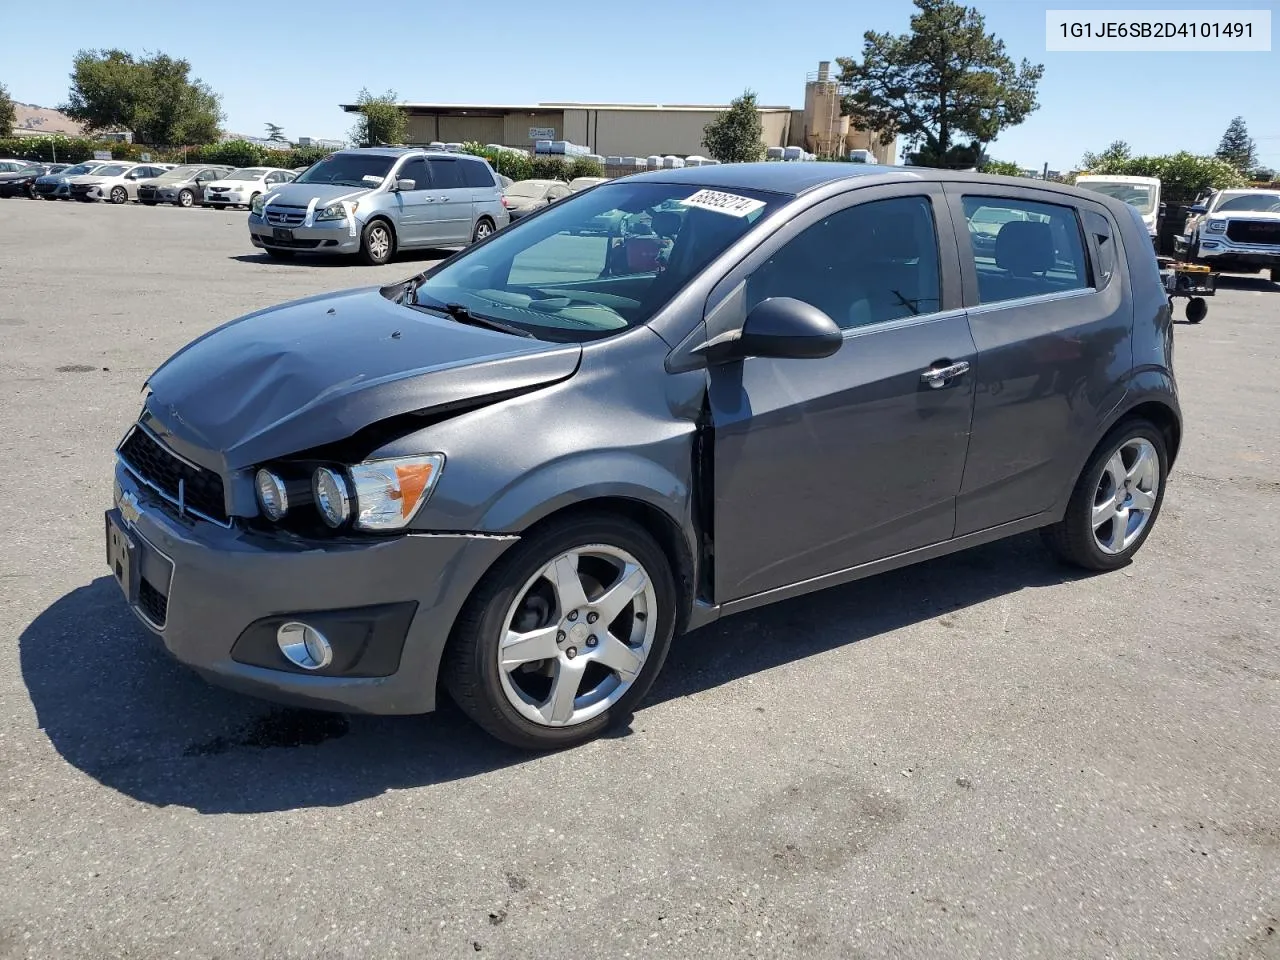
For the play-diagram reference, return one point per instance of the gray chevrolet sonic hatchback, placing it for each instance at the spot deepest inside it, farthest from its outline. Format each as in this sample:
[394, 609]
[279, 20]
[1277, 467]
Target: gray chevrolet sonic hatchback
[519, 474]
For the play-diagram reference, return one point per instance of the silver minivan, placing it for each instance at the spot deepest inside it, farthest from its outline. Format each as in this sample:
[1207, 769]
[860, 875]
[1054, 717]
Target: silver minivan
[377, 200]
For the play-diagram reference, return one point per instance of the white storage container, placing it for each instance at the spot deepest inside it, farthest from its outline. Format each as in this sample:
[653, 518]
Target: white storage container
[774, 153]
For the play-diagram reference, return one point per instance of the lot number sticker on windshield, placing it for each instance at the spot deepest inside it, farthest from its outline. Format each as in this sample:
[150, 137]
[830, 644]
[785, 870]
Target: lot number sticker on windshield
[730, 203]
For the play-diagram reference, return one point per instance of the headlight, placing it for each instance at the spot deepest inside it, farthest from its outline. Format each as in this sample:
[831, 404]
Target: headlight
[332, 495]
[1216, 226]
[273, 498]
[257, 204]
[389, 493]
[335, 211]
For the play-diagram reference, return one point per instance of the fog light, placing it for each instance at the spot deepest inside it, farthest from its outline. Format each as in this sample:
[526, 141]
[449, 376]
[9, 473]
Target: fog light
[272, 496]
[304, 646]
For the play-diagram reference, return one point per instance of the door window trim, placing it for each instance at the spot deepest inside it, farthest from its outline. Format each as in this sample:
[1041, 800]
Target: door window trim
[724, 292]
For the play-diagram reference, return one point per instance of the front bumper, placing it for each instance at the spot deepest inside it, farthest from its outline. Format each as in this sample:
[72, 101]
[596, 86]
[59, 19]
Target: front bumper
[93, 192]
[214, 596]
[326, 236]
[229, 199]
[1216, 246]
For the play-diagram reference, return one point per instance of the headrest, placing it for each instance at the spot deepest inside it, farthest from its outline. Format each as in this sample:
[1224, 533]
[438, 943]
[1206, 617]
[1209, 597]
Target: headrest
[1025, 248]
[666, 223]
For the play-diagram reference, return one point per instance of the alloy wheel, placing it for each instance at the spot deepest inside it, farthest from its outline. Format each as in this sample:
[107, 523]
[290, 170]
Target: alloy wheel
[483, 230]
[577, 635]
[1126, 495]
[119, 195]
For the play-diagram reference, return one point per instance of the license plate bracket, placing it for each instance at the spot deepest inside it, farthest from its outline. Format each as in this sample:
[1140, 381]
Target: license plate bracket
[122, 556]
[280, 233]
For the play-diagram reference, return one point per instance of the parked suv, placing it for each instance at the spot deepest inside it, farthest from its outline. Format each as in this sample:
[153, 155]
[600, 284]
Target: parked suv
[373, 202]
[182, 186]
[1235, 230]
[523, 471]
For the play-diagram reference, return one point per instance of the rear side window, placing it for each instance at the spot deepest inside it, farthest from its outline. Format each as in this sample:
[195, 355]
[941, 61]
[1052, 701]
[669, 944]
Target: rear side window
[1023, 248]
[865, 264]
[475, 174]
[1098, 228]
[446, 174]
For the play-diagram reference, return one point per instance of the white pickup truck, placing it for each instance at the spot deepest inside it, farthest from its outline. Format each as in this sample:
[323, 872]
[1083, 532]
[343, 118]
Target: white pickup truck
[1235, 230]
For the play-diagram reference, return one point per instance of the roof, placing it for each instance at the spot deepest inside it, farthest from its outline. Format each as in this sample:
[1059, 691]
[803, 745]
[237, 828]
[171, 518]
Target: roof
[777, 176]
[561, 105]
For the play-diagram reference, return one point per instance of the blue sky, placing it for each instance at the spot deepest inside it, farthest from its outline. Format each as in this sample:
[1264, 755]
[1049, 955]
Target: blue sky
[293, 67]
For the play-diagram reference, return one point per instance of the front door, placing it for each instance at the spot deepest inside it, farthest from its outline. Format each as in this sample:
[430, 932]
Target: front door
[450, 202]
[414, 208]
[1053, 336]
[823, 465]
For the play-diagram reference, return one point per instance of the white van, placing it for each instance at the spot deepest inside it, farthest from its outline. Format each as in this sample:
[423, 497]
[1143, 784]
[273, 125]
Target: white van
[1140, 192]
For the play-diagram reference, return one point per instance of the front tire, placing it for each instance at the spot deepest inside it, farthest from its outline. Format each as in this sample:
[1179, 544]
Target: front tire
[377, 243]
[565, 635]
[1116, 501]
[119, 195]
[186, 198]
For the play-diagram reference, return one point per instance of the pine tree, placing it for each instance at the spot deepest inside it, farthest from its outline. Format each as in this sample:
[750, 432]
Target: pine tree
[1237, 147]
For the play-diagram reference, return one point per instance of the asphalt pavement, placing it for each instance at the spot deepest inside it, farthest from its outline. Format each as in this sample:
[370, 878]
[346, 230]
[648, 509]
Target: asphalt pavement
[986, 756]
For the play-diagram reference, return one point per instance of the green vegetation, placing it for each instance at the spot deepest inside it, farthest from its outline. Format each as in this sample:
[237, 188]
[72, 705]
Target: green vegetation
[946, 81]
[521, 166]
[736, 136]
[154, 98]
[1237, 148]
[8, 116]
[1183, 175]
[1003, 168]
[381, 122]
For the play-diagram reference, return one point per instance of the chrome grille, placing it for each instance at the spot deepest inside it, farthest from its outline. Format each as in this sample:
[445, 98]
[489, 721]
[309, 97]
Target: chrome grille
[285, 216]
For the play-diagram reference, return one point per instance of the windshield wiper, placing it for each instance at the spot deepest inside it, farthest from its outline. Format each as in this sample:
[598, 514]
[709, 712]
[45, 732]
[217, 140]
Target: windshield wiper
[463, 314]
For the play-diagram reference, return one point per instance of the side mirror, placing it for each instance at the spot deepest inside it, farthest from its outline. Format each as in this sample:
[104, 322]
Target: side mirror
[780, 327]
[1197, 208]
[406, 184]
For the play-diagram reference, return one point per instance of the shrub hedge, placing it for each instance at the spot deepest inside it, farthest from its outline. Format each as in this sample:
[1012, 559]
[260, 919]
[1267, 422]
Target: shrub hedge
[522, 166]
[239, 153]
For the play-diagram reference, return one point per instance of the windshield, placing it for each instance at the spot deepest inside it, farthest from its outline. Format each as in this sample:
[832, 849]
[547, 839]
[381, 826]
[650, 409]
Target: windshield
[1252, 202]
[181, 173]
[1139, 195]
[246, 173]
[527, 188]
[349, 170]
[112, 170]
[77, 170]
[600, 262]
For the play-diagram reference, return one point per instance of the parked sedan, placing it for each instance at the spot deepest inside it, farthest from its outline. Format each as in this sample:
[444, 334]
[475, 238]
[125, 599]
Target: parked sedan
[22, 182]
[518, 475]
[182, 186]
[527, 196]
[57, 186]
[116, 182]
[578, 184]
[240, 188]
[12, 166]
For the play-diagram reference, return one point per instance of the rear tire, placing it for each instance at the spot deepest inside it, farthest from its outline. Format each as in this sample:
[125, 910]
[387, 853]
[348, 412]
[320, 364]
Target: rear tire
[1080, 538]
[377, 243]
[516, 701]
[484, 229]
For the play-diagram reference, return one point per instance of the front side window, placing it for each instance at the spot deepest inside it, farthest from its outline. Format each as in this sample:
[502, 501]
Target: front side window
[865, 264]
[598, 263]
[416, 170]
[349, 170]
[1023, 248]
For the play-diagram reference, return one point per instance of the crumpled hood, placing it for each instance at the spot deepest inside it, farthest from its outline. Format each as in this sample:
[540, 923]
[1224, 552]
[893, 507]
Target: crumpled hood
[315, 371]
[301, 194]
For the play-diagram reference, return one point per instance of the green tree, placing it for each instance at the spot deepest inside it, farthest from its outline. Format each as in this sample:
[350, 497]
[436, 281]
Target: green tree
[275, 131]
[153, 97]
[1237, 147]
[1117, 152]
[947, 80]
[737, 135]
[381, 120]
[1003, 168]
[1183, 175]
[8, 116]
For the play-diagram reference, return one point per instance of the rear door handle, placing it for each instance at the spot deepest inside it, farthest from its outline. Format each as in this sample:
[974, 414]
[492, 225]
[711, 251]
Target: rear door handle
[937, 377]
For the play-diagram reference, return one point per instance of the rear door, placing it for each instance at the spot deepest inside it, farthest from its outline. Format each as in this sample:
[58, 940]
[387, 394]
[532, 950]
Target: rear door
[1053, 332]
[485, 193]
[450, 205]
[823, 465]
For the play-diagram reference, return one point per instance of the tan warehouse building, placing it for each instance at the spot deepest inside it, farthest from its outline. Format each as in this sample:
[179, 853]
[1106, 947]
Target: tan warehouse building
[640, 129]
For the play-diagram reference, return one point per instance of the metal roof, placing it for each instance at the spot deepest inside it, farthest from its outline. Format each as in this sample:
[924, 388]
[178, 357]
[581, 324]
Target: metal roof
[556, 106]
[777, 176]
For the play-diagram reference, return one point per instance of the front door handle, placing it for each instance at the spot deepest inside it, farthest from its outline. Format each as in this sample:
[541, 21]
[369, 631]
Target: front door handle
[938, 377]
